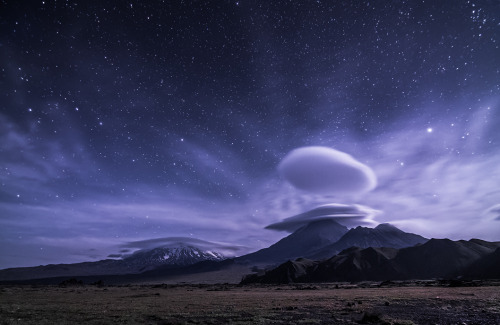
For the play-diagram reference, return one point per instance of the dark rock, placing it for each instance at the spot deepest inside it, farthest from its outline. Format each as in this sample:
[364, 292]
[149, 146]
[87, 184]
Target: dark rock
[71, 283]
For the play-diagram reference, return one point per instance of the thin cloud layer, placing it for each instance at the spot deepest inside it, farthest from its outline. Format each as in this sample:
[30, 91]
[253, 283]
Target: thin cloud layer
[326, 171]
[226, 249]
[347, 215]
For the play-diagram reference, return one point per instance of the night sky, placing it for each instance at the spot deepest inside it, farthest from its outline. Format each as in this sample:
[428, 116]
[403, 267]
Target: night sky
[129, 122]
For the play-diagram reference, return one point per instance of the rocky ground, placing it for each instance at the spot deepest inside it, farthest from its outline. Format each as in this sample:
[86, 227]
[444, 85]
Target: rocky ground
[341, 303]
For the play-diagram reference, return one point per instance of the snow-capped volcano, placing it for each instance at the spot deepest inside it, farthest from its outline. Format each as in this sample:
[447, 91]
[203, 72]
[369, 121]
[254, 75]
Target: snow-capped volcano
[175, 256]
[181, 255]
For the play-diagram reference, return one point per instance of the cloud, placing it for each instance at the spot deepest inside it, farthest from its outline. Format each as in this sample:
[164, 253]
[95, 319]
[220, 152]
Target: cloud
[347, 215]
[224, 248]
[437, 185]
[327, 171]
[38, 167]
[493, 212]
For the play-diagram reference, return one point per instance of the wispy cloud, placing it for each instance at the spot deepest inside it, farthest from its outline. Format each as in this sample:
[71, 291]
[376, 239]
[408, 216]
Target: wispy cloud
[438, 183]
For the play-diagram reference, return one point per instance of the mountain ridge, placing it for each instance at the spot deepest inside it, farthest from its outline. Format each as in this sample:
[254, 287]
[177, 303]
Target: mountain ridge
[383, 235]
[356, 257]
[437, 258]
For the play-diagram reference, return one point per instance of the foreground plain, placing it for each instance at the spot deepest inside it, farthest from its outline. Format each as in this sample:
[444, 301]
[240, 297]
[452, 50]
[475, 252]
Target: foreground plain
[233, 304]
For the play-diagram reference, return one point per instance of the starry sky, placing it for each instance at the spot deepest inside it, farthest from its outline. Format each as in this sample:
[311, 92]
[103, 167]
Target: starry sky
[127, 122]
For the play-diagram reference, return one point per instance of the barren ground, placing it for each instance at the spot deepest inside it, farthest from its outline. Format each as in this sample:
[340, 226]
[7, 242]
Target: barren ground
[232, 304]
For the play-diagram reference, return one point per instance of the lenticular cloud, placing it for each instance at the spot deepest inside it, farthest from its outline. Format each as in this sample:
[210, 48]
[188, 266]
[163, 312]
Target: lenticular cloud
[326, 171]
[346, 214]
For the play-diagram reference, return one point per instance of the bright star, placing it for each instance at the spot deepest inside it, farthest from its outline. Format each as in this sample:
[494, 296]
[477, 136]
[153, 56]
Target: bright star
[429, 130]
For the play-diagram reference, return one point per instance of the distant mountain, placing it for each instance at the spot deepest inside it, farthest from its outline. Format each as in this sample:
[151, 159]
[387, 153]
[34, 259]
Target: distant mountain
[384, 235]
[177, 256]
[321, 251]
[55, 270]
[353, 264]
[323, 238]
[302, 242]
[441, 257]
[357, 264]
[141, 261]
[437, 258]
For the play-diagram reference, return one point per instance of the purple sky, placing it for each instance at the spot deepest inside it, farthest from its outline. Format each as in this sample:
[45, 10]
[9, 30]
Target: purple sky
[131, 122]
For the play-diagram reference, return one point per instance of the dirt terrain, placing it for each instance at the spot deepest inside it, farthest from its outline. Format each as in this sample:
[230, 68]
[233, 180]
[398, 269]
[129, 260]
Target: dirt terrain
[427, 303]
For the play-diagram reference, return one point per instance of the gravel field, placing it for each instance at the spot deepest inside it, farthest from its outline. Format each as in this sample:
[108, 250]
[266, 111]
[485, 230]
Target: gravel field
[233, 304]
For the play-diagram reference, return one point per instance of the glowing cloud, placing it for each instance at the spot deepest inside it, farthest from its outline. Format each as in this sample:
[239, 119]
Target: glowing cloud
[326, 171]
[347, 215]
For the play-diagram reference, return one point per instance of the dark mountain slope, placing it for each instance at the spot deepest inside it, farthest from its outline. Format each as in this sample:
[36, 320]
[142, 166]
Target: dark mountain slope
[487, 267]
[353, 264]
[301, 243]
[384, 235]
[62, 270]
[440, 257]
